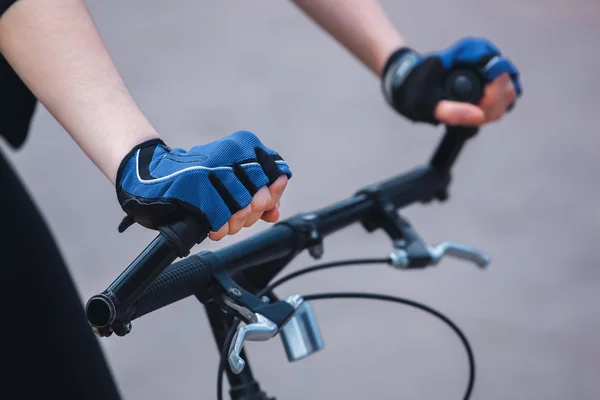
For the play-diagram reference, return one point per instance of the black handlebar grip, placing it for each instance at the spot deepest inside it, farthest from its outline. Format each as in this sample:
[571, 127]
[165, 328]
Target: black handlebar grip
[464, 85]
[178, 281]
[175, 240]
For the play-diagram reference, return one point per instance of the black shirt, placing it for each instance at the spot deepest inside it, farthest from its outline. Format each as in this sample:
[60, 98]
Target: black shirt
[17, 103]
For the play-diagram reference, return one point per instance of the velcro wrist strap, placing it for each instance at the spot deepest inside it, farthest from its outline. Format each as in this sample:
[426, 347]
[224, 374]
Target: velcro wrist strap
[397, 68]
[147, 143]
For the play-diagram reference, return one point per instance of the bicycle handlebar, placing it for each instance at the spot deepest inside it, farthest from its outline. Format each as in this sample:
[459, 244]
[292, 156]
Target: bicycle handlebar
[147, 289]
[280, 243]
[178, 281]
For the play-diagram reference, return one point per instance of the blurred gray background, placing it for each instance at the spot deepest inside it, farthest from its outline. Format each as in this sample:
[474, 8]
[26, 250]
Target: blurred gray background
[527, 191]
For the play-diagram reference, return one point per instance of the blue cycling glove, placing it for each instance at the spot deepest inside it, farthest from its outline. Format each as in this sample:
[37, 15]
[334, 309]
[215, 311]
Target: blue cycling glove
[157, 185]
[413, 84]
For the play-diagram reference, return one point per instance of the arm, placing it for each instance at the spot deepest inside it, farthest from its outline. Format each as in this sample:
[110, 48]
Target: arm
[57, 51]
[361, 26]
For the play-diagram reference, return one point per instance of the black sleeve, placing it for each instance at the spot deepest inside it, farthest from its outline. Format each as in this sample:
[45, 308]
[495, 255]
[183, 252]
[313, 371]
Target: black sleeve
[5, 4]
[53, 353]
[17, 103]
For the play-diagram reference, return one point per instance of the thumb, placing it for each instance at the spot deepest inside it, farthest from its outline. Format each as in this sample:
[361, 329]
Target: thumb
[455, 113]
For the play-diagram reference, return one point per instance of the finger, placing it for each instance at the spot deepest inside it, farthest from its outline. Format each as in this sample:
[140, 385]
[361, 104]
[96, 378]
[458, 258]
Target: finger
[285, 168]
[494, 101]
[498, 66]
[473, 49]
[220, 234]
[276, 190]
[268, 163]
[237, 220]
[517, 84]
[514, 77]
[232, 193]
[271, 215]
[510, 95]
[259, 204]
[456, 113]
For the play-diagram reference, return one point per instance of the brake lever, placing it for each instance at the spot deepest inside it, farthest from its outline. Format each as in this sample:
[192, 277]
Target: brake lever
[459, 251]
[259, 329]
[403, 259]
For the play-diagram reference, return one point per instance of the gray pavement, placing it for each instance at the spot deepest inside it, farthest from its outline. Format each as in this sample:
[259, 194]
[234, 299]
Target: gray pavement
[527, 191]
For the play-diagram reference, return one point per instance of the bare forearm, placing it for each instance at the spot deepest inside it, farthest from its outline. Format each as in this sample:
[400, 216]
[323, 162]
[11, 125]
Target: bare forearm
[56, 49]
[359, 25]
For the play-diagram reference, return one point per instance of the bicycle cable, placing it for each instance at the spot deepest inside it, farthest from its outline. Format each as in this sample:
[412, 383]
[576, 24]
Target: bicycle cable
[236, 322]
[348, 295]
[320, 267]
[415, 304]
